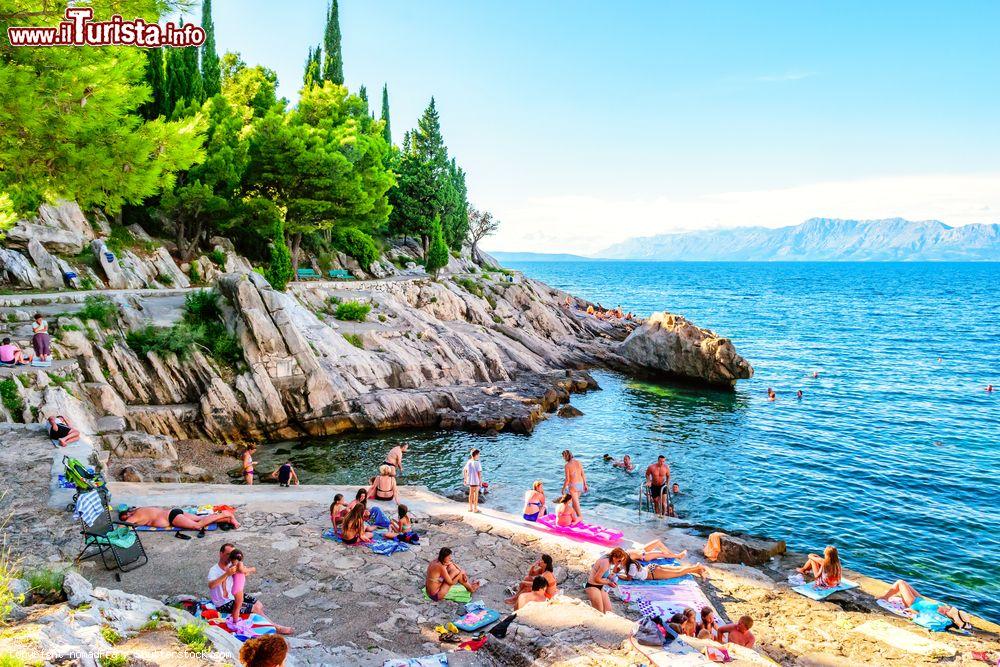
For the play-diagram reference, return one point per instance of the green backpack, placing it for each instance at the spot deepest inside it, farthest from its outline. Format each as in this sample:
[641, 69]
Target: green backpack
[80, 476]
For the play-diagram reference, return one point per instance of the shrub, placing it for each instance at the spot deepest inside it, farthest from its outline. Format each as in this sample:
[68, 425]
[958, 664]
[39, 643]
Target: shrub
[225, 347]
[218, 257]
[194, 275]
[8, 572]
[122, 239]
[279, 267]
[110, 635]
[155, 619]
[11, 660]
[355, 340]
[179, 339]
[325, 262]
[497, 319]
[202, 306]
[470, 286]
[352, 310]
[437, 253]
[356, 243]
[87, 283]
[194, 637]
[164, 279]
[100, 309]
[46, 581]
[112, 660]
[11, 397]
[490, 299]
[88, 258]
[382, 318]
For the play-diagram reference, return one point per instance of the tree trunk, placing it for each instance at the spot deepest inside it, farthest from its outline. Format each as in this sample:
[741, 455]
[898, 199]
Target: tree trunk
[425, 241]
[475, 252]
[296, 242]
[180, 228]
[188, 252]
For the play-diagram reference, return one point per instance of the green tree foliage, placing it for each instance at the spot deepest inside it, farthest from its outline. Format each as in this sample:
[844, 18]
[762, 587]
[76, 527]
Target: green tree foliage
[211, 72]
[195, 86]
[314, 67]
[203, 197]
[414, 196]
[70, 127]
[363, 94]
[437, 254]
[322, 166]
[333, 64]
[155, 79]
[252, 89]
[386, 128]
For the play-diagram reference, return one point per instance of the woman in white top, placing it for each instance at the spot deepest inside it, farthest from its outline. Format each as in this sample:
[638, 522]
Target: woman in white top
[472, 476]
[40, 341]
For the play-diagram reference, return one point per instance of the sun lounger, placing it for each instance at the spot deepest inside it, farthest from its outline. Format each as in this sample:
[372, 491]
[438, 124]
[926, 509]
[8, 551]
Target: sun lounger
[116, 543]
[582, 531]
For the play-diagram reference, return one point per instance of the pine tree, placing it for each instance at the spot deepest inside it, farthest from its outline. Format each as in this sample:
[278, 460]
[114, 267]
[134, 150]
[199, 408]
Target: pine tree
[211, 73]
[437, 254]
[428, 141]
[386, 131]
[155, 78]
[333, 65]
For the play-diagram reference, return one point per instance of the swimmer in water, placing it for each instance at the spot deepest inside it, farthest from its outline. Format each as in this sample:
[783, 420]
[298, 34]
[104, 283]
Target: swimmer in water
[815, 374]
[675, 489]
[799, 395]
[770, 394]
[625, 464]
[989, 388]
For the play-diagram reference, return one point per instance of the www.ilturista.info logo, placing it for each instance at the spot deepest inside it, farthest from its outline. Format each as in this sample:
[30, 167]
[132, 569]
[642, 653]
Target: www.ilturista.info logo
[79, 29]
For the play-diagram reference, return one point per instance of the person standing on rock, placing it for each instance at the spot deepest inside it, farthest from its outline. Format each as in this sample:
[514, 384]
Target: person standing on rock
[248, 464]
[40, 340]
[395, 457]
[657, 479]
[575, 480]
[472, 477]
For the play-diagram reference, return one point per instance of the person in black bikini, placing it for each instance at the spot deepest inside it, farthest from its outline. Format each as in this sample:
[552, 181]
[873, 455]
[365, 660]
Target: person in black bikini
[353, 528]
[383, 487]
[159, 517]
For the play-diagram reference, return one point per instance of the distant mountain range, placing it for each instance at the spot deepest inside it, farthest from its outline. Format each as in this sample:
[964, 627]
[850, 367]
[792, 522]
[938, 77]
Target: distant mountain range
[503, 257]
[821, 239]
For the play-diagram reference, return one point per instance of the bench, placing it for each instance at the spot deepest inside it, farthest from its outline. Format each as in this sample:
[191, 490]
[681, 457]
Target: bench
[306, 274]
[340, 274]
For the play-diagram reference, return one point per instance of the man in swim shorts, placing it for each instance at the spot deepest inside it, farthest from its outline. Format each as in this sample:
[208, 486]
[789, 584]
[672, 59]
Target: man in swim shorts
[657, 479]
[395, 457]
[575, 481]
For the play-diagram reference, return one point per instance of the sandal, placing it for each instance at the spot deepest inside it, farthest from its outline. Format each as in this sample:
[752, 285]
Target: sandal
[450, 638]
[181, 536]
[441, 630]
[452, 628]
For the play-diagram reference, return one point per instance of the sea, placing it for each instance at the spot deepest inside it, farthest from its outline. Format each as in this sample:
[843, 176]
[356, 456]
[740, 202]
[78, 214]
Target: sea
[892, 453]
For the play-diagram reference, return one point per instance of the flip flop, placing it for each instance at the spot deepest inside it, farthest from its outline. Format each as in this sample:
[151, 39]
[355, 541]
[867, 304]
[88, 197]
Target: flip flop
[450, 638]
[225, 526]
[441, 630]
[452, 628]
[201, 533]
[181, 536]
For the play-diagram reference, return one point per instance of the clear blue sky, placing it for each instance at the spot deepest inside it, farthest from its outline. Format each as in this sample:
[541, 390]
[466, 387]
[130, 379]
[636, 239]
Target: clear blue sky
[558, 109]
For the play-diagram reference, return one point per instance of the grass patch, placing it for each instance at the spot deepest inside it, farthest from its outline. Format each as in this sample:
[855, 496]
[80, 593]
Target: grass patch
[355, 340]
[112, 660]
[382, 317]
[24, 380]
[352, 310]
[62, 381]
[218, 257]
[164, 279]
[470, 286]
[122, 239]
[100, 309]
[110, 635]
[156, 619]
[11, 660]
[194, 275]
[182, 338]
[202, 305]
[497, 319]
[490, 299]
[11, 397]
[193, 636]
[87, 283]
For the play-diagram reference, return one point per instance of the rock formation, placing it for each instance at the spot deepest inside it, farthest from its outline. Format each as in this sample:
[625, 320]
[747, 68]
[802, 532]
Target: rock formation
[670, 345]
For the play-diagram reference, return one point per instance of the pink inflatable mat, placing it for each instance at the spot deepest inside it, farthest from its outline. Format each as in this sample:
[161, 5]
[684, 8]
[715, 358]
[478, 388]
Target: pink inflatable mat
[582, 531]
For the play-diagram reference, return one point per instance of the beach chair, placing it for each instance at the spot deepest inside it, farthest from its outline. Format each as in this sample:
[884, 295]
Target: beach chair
[117, 543]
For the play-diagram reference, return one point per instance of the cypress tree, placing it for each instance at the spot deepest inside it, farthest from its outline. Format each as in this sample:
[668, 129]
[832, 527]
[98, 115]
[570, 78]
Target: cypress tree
[386, 131]
[211, 72]
[363, 94]
[428, 141]
[194, 87]
[437, 254]
[333, 65]
[174, 75]
[312, 73]
[156, 79]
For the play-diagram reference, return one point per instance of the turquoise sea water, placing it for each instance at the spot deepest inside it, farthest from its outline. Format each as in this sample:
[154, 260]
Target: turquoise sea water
[892, 454]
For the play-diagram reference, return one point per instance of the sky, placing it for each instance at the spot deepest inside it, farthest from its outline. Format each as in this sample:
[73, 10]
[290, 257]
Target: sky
[581, 123]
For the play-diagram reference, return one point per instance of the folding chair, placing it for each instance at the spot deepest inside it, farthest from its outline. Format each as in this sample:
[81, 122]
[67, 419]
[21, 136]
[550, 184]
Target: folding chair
[117, 543]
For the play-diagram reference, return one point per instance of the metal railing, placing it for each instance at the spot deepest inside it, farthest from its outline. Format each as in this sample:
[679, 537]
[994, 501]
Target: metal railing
[646, 501]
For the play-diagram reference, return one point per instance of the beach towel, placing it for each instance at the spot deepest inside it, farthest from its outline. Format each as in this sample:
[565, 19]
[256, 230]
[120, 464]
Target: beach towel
[89, 507]
[171, 529]
[436, 660]
[457, 593]
[813, 593]
[475, 620]
[924, 613]
[38, 363]
[121, 537]
[675, 654]
[581, 530]
[666, 601]
[243, 628]
[383, 547]
[896, 606]
[377, 517]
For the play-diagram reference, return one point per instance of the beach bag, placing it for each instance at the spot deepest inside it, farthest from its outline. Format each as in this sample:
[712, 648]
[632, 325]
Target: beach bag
[649, 632]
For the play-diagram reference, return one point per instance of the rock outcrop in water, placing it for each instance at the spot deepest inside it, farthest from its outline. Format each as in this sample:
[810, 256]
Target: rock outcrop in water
[670, 345]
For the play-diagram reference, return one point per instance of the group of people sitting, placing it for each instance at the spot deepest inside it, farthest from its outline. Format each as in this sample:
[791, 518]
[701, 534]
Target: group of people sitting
[356, 522]
[11, 353]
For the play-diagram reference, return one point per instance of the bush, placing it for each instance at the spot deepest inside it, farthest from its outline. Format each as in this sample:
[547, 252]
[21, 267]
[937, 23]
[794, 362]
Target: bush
[45, 581]
[353, 310]
[437, 253]
[164, 279]
[279, 268]
[179, 339]
[194, 275]
[100, 309]
[225, 347]
[11, 397]
[325, 262]
[470, 286]
[356, 243]
[202, 306]
[112, 660]
[8, 572]
[11, 660]
[218, 256]
[110, 635]
[87, 283]
[194, 637]
[355, 340]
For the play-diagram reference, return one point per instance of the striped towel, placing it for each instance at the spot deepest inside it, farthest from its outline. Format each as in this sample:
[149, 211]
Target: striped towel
[89, 507]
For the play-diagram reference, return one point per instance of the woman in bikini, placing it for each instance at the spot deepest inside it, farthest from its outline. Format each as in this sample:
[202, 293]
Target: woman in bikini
[708, 626]
[540, 568]
[536, 502]
[400, 528]
[601, 575]
[248, 464]
[338, 508]
[353, 528]
[911, 599]
[826, 570]
[565, 512]
[689, 626]
[443, 573]
[656, 549]
[632, 570]
[383, 487]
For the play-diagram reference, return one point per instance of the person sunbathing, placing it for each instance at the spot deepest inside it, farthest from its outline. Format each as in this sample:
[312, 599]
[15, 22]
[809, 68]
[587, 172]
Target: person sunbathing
[338, 508]
[536, 594]
[632, 570]
[160, 517]
[656, 549]
[918, 603]
[400, 528]
[565, 513]
[443, 573]
[353, 528]
[12, 355]
[825, 569]
[540, 568]
[535, 505]
[61, 432]
[738, 633]
[708, 625]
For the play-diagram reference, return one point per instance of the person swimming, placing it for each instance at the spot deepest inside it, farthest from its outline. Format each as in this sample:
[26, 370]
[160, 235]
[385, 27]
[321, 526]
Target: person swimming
[625, 464]
[989, 388]
[798, 395]
[770, 394]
